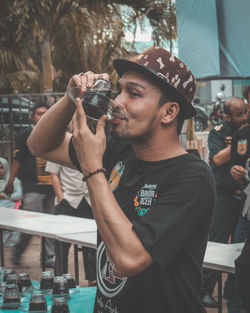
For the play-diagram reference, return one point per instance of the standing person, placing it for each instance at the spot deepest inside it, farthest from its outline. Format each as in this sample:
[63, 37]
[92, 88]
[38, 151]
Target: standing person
[72, 198]
[228, 207]
[240, 161]
[153, 206]
[8, 201]
[37, 189]
[11, 201]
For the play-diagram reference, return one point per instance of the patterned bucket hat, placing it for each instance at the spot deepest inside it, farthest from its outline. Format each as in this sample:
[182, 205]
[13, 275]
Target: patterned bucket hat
[168, 72]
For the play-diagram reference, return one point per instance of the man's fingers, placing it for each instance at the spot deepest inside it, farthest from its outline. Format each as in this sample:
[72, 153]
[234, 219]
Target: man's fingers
[79, 118]
[100, 127]
[85, 80]
[79, 109]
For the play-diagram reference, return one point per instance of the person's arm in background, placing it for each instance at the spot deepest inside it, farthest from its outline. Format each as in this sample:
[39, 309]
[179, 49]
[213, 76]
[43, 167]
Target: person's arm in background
[18, 191]
[9, 188]
[222, 157]
[219, 151]
[54, 170]
[57, 186]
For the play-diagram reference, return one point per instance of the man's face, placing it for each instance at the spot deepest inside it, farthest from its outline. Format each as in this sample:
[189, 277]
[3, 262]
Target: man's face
[139, 99]
[38, 114]
[239, 113]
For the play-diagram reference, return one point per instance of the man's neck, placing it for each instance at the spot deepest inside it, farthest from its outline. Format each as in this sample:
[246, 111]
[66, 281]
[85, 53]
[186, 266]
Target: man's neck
[158, 150]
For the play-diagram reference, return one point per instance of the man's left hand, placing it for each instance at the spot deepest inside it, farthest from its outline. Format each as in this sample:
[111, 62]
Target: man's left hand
[89, 147]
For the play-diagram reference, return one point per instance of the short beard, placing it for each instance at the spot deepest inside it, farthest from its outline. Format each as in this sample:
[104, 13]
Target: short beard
[139, 139]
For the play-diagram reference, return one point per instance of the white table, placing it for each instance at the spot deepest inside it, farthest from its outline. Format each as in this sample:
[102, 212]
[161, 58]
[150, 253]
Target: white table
[221, 257]
[47, 225]
[86, 239]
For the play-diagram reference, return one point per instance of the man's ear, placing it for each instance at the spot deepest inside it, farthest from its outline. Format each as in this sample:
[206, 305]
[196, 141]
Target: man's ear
[170, 111]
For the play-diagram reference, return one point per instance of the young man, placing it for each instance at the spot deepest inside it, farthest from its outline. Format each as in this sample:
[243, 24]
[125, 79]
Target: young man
[37, 189]
[154, 205]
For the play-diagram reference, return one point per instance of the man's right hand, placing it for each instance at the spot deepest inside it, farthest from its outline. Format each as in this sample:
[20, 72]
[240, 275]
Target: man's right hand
[238, 172]
[9, 188]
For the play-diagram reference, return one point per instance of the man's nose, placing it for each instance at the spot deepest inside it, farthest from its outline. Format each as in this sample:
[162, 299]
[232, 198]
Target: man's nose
[119, 100]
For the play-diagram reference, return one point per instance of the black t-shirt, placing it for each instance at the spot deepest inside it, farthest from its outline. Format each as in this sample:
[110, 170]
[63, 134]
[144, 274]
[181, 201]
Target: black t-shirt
[218, 139]
[32, 172]
[170, 203]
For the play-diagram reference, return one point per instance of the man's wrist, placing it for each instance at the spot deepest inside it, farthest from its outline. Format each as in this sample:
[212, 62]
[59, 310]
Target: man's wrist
[93, 172]
[67, 98]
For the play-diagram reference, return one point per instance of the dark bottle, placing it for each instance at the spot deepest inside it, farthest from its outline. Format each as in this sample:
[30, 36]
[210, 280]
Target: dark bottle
[14, 279]
[37, 302]
[25, 280]
[70, 280]
[8, 272]
[60, 305]
[60, 286]
[11, 297]
[46, 281]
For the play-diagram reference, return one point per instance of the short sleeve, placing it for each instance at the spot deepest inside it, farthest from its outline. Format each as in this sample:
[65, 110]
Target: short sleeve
[216, 143]
[72, 155]
[52, 167]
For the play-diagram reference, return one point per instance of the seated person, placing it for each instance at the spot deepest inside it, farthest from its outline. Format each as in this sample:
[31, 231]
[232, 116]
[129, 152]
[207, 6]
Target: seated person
[9, 201]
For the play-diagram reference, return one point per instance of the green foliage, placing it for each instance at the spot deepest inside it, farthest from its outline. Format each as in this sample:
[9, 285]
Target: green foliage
[83, 35]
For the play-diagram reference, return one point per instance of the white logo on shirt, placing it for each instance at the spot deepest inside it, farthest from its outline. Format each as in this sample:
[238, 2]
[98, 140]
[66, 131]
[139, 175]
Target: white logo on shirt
[109, 283]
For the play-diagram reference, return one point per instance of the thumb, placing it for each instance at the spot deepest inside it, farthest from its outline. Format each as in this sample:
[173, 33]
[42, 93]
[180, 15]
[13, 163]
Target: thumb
[100, 127]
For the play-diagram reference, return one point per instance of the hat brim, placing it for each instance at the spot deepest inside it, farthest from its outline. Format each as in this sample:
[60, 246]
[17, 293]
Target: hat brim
[121, 66]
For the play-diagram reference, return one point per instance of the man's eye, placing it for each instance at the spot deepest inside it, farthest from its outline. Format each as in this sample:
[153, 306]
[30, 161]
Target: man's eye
[134, 94]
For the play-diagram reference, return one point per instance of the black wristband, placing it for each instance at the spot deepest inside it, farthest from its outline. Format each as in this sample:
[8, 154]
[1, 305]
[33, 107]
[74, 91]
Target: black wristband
[97, 170]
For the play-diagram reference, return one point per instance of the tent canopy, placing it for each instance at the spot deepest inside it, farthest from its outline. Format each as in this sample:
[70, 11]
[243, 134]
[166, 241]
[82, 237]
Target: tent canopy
[213, 37]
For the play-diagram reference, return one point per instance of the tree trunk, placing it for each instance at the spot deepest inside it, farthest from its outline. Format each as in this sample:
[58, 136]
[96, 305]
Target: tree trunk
[46, 66]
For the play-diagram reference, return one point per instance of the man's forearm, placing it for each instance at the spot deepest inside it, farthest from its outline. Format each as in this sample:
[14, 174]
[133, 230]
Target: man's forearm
[57, 186]
[123, 245]
[50, 130]
[14, 170]
[222, 157]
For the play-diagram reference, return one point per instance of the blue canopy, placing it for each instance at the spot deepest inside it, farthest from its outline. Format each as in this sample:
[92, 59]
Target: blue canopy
[213, 37]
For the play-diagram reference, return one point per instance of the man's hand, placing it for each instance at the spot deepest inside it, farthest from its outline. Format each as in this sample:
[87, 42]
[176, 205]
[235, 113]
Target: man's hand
[84, 80]
[238, 172]
[89, 147]
[9, 188]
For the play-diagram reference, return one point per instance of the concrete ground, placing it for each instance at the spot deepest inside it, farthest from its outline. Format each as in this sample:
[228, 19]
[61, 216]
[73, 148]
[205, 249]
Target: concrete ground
[31, 265]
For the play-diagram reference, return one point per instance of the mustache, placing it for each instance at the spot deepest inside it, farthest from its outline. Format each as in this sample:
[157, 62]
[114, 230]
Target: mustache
[118, 112]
